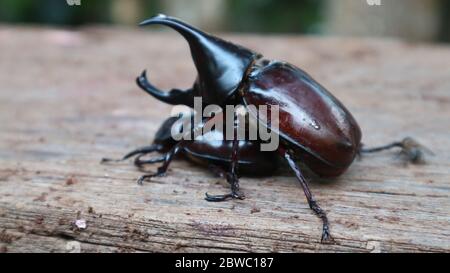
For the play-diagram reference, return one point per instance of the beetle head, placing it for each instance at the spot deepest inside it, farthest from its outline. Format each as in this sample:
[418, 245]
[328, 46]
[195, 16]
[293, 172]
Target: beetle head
[221, 65]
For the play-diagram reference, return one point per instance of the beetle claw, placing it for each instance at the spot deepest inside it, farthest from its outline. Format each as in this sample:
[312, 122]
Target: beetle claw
[326, 237]
[143, 179]
[224, 197]
[239, 196]
[217, 198]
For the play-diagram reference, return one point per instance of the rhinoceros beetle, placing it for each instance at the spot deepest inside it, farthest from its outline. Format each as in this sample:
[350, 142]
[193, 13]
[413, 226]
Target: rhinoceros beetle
[315, 128]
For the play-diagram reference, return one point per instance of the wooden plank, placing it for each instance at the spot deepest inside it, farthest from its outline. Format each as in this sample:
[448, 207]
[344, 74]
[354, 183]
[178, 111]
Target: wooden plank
[68, 98]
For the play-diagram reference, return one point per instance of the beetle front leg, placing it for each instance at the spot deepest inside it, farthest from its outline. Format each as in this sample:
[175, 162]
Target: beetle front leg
[138, 162]
[326, 236]
[163, 169]
[139, 151]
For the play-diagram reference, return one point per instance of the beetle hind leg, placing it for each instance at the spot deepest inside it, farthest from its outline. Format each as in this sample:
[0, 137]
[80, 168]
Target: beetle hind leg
[410, 149]
[326, 236]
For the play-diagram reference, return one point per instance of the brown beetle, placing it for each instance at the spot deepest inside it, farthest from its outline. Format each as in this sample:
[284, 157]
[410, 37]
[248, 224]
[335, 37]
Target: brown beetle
[315, 128]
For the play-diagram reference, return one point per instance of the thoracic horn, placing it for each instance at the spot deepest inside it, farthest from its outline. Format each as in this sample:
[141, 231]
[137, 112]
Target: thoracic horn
[221, 65]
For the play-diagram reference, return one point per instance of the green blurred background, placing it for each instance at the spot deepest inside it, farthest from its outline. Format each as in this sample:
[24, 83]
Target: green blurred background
[425, 20]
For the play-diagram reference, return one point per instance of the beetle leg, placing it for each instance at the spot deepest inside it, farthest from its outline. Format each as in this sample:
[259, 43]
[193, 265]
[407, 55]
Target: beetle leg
[232, 177]
[138, 162]
[326, 237]
[218, 198]
[142, 150]
[412, 150]
[163, 169]
[235, 194]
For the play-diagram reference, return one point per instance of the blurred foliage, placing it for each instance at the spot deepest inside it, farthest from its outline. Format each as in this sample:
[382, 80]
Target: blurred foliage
[274, 16]
[281, 16]
[54, 12]
[256, 15]
[445, 25]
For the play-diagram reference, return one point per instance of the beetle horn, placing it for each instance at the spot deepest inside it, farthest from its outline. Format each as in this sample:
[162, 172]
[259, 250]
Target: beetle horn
[174, 96]
[221, 65]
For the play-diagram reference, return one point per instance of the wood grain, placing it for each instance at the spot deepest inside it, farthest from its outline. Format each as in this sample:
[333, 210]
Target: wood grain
[68, 98]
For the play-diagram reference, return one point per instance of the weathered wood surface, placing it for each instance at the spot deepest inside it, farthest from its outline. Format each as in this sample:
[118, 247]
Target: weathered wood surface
[68, 98]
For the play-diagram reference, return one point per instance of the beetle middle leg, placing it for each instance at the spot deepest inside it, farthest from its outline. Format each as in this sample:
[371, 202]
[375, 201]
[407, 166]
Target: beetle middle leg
[235, 194]
[231, 176]
[326, 236]
[220, 172]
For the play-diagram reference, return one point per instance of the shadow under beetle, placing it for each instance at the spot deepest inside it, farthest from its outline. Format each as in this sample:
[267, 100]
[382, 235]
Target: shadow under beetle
[315, 128]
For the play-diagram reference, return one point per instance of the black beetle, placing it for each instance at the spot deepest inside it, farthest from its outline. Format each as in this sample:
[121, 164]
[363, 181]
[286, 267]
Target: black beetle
[315, 128]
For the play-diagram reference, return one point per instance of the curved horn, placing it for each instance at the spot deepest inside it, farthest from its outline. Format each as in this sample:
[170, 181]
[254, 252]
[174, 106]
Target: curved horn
[221, 65]
[184, 29]
[174, 96]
